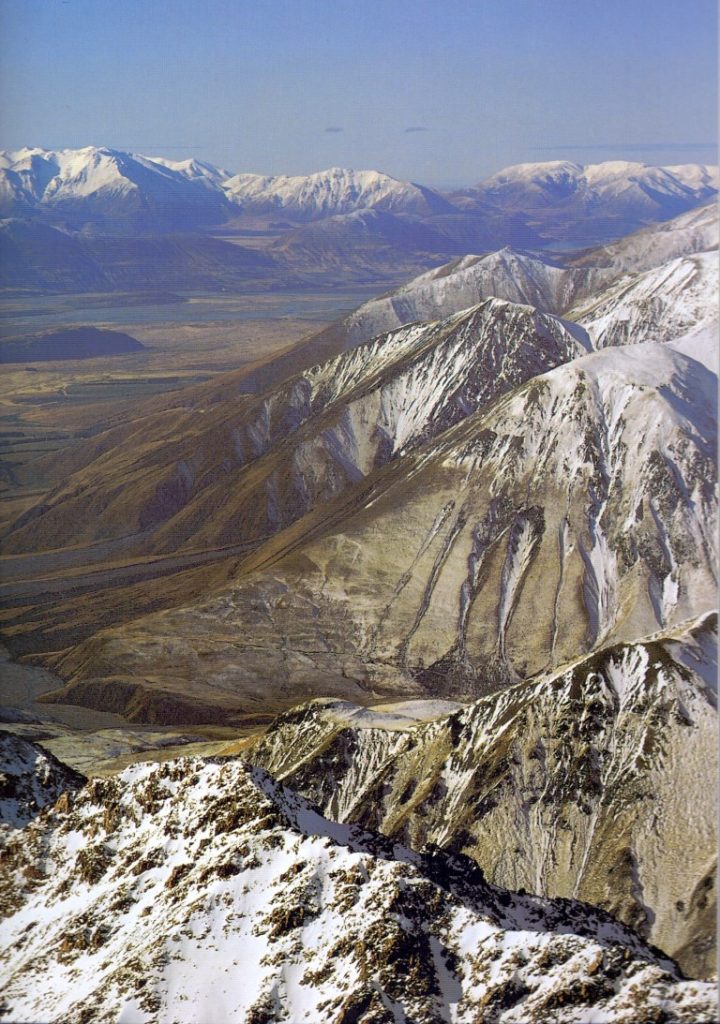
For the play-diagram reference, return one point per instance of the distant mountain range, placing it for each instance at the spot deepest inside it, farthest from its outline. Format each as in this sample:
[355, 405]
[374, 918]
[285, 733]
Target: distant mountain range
[360, 224]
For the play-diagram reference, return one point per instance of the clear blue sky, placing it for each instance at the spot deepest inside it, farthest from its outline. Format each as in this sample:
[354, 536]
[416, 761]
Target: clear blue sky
[254, 85]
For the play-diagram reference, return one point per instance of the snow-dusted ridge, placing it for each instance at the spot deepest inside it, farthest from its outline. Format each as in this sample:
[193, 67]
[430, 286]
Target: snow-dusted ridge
[659, 282]
[202, 890]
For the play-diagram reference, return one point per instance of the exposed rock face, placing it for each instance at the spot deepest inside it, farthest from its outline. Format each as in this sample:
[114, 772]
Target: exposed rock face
[593, 782]
[225, 477]
[203, 890]
[30, 779]
[577, 511]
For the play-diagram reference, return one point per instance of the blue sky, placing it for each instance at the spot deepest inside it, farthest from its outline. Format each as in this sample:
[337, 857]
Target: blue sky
[255, 85]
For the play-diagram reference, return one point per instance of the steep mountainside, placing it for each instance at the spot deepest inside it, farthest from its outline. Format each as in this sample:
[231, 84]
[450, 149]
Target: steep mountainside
[576, 511]
[677, 300]
[583, 205]
[30, 779]
[590, 782]
[201, 889]
[219, 476]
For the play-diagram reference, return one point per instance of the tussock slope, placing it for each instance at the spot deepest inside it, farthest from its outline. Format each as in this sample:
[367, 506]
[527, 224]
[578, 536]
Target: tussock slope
[576, 511]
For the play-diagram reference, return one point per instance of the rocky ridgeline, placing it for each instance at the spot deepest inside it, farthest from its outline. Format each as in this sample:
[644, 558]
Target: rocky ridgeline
[201, 888]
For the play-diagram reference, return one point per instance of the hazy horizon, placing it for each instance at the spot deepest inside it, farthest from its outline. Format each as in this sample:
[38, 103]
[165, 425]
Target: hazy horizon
[443, 96]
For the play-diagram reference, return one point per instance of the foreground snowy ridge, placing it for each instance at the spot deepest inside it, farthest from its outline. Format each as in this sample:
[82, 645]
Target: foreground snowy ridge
[201, 889]
[585, 782]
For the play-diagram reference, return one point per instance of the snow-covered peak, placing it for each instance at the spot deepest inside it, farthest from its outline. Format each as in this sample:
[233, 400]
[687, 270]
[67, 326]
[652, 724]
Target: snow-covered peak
[605, 175]
[677, 300]
[336, 190]
[194, 169]
[108, 188]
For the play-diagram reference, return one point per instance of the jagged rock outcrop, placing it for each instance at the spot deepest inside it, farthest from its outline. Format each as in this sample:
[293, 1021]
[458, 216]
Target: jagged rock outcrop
[30, 779]
[596, 782]
[202, 889]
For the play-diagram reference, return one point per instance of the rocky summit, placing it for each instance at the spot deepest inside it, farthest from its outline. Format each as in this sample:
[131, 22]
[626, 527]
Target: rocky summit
[589, 782]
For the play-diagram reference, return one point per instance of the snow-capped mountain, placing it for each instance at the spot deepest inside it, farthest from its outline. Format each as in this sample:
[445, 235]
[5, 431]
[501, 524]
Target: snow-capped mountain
[337, 190]
[306, 441]
[204, 890]
[109, 190]
[586, 782]
[576, 511]
[196, 170]
[30, 779]
[581, 205]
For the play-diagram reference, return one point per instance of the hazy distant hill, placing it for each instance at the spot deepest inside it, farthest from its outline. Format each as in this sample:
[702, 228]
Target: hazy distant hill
[68, 343]
[585, 205]
[39, 257]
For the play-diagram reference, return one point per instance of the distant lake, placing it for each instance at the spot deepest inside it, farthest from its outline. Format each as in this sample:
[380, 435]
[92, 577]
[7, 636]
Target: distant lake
[31, 313]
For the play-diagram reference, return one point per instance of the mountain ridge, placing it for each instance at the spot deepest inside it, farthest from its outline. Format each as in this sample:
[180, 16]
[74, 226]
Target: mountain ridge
[237, 894]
